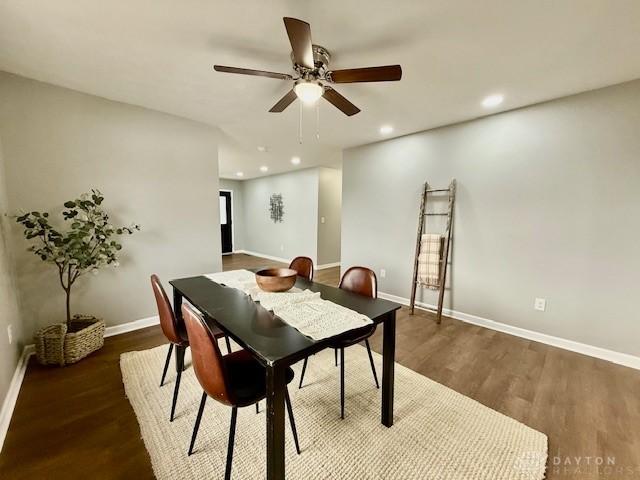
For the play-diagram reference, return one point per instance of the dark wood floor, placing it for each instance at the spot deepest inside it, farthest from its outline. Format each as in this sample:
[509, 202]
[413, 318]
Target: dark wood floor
[76, 423]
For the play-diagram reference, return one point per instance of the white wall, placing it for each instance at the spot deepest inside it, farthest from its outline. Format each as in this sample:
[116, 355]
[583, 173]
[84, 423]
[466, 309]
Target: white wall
[329, 209]
[547, 206]
[297, 234]
[158, 170]
[9, 311]
[237, 198]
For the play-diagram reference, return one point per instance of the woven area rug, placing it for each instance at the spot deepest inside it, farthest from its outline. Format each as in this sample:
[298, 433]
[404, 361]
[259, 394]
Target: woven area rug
[438, 433]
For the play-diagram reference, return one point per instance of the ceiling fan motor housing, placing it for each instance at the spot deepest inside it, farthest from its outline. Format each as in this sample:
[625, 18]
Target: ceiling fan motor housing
[321, 59]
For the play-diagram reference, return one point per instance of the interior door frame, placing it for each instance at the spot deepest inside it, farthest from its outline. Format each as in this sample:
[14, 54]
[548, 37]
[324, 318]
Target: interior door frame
[233, 223]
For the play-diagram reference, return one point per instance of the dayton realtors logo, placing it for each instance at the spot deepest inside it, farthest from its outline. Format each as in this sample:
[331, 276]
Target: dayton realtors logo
[592, 465]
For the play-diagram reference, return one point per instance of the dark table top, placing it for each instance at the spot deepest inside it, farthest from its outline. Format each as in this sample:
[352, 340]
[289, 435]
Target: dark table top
[262, 332]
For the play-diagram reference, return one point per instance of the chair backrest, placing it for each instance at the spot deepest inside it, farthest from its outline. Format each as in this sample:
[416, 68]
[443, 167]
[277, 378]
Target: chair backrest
[304, 267]
[168, 320]
[206, 357]
[360, 280]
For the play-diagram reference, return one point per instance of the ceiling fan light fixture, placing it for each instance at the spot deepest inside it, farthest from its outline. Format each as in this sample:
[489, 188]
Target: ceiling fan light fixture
[308, 92]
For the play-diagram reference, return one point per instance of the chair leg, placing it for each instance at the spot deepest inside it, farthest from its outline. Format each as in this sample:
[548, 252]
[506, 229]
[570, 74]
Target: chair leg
[180, 350]
[226, 339]
[335, 354]
[291, 419]
[232, 434]
[257, 407]
[166, 364]
[203, 400]
[304, 369]
[373, 367]
[342, 383]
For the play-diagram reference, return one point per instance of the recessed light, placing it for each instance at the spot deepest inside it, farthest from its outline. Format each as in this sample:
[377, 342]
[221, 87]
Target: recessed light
[295, 160]
[264, 168]
[239, 174]
[262, 148]
[386, 129]
[492, 100]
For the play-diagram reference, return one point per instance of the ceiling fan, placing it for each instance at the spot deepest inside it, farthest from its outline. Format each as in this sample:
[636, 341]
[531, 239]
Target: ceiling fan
[312, 74]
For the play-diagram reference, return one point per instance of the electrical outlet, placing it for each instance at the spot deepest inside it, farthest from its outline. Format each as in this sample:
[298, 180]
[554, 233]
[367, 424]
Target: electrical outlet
[540, 304]
[383, 273]
[282, 248]
[321, 219]
[10, 333]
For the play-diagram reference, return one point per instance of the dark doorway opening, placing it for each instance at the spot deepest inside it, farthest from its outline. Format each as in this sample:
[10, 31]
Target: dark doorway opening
[226, 228]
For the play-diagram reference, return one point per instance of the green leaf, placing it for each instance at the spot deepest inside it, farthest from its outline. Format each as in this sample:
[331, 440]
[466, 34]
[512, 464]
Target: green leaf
[69, 204]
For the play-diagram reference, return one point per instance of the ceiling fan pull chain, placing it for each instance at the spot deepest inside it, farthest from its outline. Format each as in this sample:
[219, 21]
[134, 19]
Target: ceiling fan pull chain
[317, 120]
[300, 125]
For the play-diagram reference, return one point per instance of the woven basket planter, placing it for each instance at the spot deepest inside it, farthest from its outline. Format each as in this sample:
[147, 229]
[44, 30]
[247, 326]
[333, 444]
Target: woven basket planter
[54, 346]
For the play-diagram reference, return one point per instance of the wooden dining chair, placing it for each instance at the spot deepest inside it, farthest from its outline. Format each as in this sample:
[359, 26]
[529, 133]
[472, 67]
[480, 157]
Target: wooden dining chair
[237, 380]
[304, 267]
[176, 333]
[362, 281]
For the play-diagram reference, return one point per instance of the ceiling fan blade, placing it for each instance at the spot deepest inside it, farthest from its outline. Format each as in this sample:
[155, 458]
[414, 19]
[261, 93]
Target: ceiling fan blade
[387, 73]
[248, 71]
[340, 102]
[284, 102]
[300, 37]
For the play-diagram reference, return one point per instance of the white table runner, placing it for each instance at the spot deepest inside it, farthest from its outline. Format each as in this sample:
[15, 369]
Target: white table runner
[304, 310]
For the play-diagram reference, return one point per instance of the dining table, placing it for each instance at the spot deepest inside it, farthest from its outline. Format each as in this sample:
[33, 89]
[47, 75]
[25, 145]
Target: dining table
[277, 345]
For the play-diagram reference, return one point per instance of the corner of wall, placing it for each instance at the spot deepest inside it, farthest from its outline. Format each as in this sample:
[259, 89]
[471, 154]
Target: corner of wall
[10, 312]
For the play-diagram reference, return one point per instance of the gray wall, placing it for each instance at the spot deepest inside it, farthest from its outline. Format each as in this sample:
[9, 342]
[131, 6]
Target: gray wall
[9, 312]
[547, 206]
[237, 196]
[155, 169]
[297, 234]
[329, 208]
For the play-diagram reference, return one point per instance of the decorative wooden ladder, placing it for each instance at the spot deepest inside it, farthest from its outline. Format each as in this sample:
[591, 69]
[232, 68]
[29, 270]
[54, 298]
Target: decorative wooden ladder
[444, 254]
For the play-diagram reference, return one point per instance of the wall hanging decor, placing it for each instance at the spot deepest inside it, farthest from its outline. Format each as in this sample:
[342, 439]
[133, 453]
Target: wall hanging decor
[276, 207]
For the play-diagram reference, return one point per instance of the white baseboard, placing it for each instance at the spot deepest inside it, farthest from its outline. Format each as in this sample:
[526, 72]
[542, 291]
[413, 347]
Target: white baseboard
[590, 350]
[9, 402]
[284, 260]
[328, 265]
[131, 326]
[265, 256]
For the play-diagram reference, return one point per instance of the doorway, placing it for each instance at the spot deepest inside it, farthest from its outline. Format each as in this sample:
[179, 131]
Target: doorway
[226, 222]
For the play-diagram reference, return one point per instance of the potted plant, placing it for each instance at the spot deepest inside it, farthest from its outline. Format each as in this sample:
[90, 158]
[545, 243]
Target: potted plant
[86, 246]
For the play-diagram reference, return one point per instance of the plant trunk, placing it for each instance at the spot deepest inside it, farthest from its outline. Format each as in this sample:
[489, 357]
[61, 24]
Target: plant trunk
[68, 292]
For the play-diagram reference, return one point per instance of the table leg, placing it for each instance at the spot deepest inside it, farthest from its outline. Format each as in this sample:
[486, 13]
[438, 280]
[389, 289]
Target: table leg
[388, 361]
[177, 305]
[275, 422]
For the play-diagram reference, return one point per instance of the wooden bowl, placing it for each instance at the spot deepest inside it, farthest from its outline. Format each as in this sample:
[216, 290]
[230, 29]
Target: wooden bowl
[276, 279]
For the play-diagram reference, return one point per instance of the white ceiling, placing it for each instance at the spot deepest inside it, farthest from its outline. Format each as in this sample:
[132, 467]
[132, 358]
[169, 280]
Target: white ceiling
[159, 54]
